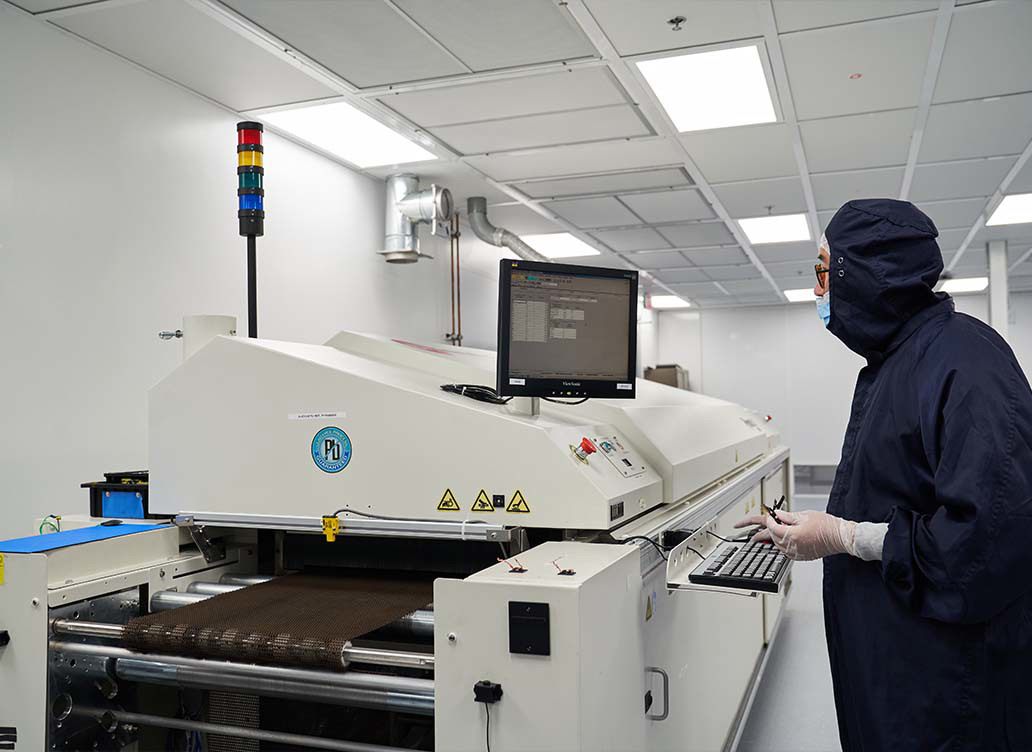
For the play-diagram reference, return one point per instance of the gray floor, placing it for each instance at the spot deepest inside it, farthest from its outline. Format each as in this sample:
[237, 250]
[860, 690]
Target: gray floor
[794, 710]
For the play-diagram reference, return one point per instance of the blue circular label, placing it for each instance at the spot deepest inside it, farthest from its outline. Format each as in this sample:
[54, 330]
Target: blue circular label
[331, 450]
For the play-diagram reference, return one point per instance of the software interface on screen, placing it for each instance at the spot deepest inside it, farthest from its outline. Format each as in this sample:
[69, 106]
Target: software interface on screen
[569, 326]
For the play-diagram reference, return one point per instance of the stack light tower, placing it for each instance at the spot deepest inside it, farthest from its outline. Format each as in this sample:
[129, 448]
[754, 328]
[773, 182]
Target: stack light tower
[251, 213]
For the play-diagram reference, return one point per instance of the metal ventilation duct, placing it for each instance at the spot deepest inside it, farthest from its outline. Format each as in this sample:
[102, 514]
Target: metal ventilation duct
[476, 209]
[406, 207]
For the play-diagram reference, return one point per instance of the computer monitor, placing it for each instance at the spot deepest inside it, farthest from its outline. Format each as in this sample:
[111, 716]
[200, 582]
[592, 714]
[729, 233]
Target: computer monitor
[566, 331]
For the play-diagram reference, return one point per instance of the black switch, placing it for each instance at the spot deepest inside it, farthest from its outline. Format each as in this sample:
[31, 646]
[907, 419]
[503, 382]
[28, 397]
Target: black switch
[529, 628]
[5, 638]
[487, 692]
[499, 501]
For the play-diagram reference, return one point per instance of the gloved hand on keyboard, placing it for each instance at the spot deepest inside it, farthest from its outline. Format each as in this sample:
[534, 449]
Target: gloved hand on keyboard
[807, 535]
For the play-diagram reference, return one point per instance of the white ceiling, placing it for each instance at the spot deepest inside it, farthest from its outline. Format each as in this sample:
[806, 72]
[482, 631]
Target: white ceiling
[536, 105]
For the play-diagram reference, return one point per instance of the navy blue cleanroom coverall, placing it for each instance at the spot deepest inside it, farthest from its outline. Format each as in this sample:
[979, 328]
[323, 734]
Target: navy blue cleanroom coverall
[931, 648]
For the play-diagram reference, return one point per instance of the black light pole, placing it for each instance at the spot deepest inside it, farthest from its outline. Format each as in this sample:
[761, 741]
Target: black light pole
[251, 194]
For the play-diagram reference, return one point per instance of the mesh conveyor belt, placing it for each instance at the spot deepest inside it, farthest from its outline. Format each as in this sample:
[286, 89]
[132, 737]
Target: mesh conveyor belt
[296, 620]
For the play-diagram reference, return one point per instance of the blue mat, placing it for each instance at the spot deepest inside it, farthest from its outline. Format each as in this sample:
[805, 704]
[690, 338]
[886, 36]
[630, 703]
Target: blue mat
[35, 544]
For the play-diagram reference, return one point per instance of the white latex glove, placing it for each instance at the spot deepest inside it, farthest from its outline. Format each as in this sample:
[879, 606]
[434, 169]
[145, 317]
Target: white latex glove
[806, 535]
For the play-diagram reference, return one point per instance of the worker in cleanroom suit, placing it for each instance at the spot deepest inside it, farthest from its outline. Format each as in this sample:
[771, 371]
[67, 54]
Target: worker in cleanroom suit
[927, 541]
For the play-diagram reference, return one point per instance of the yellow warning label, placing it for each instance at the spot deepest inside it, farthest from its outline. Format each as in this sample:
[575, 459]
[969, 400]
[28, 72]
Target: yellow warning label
[448, 503]
[483, 503]
[1, 569]
[518, 503]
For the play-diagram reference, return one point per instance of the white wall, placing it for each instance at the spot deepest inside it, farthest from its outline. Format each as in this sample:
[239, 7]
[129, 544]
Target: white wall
[118, 216]
[781, 361]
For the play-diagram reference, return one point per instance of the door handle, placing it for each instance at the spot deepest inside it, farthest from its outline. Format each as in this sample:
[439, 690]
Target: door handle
[666, 694]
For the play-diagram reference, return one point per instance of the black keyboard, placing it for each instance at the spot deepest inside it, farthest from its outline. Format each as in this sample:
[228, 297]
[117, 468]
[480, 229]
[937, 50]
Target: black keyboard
[748, 566]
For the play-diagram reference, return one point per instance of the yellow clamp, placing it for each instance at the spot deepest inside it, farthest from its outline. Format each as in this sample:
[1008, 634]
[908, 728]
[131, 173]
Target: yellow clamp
[330, 528]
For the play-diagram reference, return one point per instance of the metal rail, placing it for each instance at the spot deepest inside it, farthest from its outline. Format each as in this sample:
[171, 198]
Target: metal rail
[107, 718]
[351, 688]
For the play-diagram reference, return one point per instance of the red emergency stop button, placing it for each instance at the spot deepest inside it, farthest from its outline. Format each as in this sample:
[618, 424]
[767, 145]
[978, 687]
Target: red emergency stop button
[587, 446]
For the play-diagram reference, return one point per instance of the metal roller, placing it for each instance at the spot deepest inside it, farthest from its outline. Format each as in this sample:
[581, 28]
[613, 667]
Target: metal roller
[244, 579]
[351, 688]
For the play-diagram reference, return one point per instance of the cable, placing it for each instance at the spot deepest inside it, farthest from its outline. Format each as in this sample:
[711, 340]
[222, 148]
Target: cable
[477, 392]
[721, 537]
[560, 402]
[659, 548]
[372, 516]
[46, 521]
[487, 707]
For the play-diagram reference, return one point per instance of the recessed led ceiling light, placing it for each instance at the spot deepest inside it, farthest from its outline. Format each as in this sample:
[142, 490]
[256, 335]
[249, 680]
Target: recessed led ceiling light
[804, 295]
[965, 284]
[349, 134]
[1013, 210]
[715, 89]
[559, 245]
[782, 228]
[668, 301]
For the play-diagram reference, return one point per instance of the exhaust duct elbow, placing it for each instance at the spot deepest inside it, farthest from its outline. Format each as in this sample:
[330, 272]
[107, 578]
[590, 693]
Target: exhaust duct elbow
[406, 207]
[476, 208]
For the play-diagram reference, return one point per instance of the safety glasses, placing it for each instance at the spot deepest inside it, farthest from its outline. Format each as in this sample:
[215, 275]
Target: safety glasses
[818, 270]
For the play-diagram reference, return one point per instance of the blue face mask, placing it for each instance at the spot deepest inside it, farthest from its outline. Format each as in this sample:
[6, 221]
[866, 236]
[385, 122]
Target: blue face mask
[824, 308]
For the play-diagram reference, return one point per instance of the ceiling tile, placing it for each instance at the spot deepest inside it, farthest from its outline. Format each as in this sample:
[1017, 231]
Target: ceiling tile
[824, 217]
[747, 286]
[762, 197]
[792, 252]
[596, 124]
[508, 98]
[971, 263]
[793, 15]
[723, 273]
[603, 211]
[579, 159]
[831, 190]
[746, 153]
[460, 179]
[38, 6]
[950, 240]
[1018, 233]
[634, 28]
[980, 128]
[669, 206]
[890, 55]
[658, 260]
[695, 290]
[1022, 182]
[953, 214]
[360, 40]
[726, 256]
[521, 220]
[631, 240]
[680, 276]
[987, 52]
[612, 183]
[877, 139]
[701, 233]
[490, 34]
[221, 64]
[959, 179]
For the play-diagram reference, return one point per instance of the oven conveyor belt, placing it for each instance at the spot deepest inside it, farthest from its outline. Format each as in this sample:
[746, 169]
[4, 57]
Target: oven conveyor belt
[295, 620]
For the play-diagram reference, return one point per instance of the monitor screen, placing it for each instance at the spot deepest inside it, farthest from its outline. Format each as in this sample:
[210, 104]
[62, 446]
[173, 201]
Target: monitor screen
[566, 331]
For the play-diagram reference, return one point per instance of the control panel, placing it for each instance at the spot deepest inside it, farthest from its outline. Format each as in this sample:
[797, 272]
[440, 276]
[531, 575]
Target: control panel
[628, 463]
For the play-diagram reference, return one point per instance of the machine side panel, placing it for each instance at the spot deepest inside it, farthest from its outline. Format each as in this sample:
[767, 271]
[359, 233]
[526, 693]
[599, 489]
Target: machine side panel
[23, 662]
[547, 705]
[708, 643]
[225, 438]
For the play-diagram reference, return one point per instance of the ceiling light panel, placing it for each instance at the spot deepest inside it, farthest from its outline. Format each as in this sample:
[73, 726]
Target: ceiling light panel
[715, 89]
[1014, 209]
[800, 295]
[668, 301]
[785, 228]
[348, 133]
[965, 284]
[559, 245]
